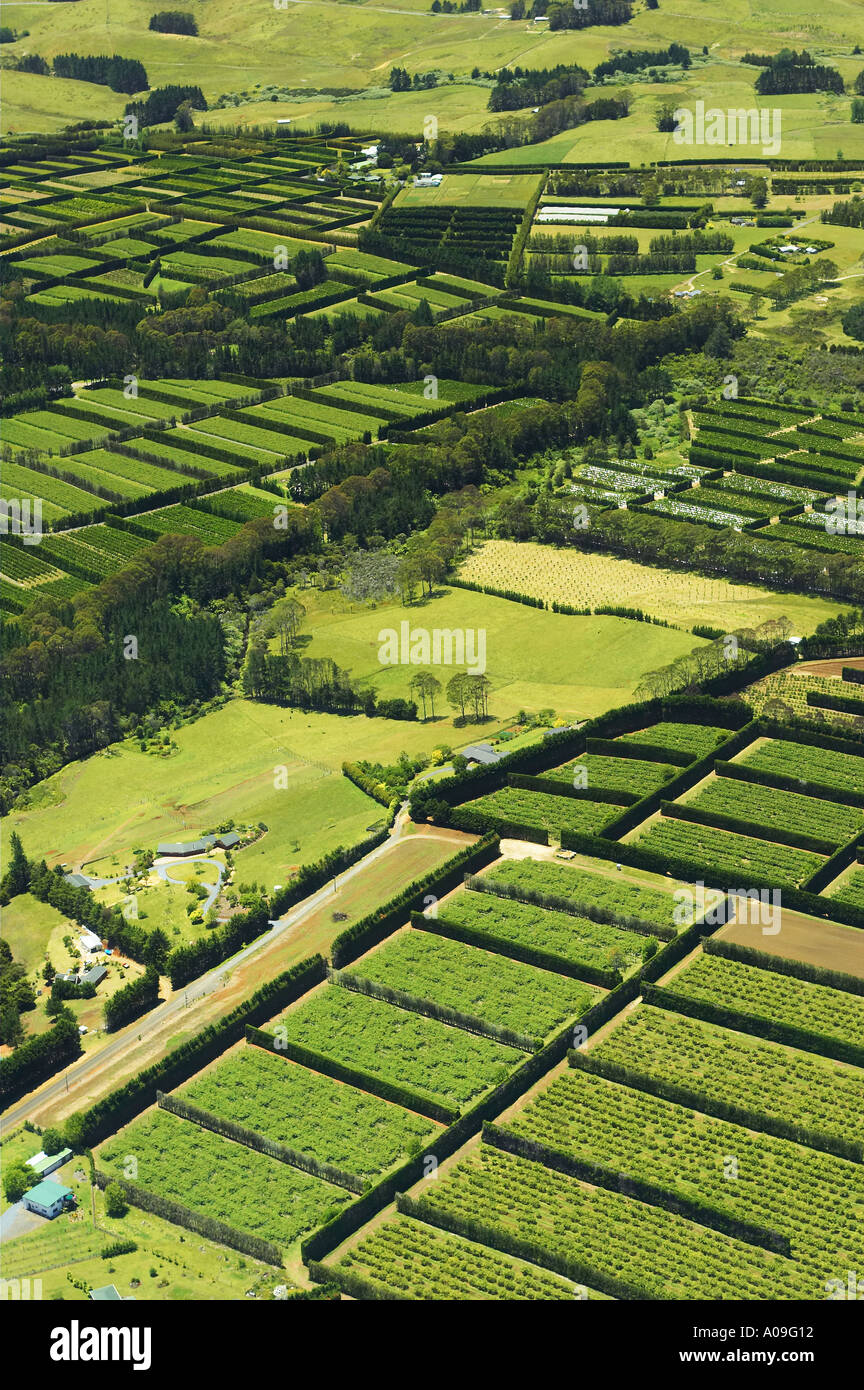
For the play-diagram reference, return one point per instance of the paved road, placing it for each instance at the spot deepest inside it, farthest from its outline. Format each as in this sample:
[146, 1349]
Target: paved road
[156, 1019]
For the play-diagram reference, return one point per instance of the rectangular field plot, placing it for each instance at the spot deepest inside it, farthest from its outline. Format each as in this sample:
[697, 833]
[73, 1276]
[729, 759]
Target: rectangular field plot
[122, 546]
[20, 564]
[696, 739]
[187, 521]
[807, 1196]
[818, 1102]
[805, 764]
[309, 1112]
[135, 409]
[763, 994]
[850, 890]
[765, 809]
[407, 1259]
[28, 482]
[613, 774]
[623, 903]
[515, 807]
[501, 992]
[107, 485]
[264, 444]
[553, 939]
[744, 858]
[623, 1247]
[171, 448]
[150, 476]
[229, 1182]
[404, 1049]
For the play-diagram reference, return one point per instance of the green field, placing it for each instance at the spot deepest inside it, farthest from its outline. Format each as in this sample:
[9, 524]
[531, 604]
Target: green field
[309, 1112]
[529, 654]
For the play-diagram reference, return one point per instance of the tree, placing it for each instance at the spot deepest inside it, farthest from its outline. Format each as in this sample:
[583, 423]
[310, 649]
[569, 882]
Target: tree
[115, 1201]
[757, 191]
[459, 692]
[426, 686]
[183, 120]
[17, 1179]
[11, 1029]
[719, 343]
[478, 694]
[17, 877]
[52, 1141]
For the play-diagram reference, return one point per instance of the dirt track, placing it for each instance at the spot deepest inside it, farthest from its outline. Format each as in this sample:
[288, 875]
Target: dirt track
[829, 668]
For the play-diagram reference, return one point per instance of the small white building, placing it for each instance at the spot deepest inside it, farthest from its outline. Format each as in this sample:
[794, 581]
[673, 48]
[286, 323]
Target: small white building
[89, 941]
[427, 180]
[48, 1199]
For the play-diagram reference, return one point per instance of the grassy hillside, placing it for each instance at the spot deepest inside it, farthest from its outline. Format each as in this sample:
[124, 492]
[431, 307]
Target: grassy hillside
[283, 49]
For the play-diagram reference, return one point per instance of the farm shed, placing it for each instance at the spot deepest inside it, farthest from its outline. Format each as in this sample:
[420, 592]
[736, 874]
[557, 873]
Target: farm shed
[76, 880]
[481, 753]
[43, 1164]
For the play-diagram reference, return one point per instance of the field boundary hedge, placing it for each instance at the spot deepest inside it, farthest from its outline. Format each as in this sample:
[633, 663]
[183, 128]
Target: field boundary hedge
[612, 1180]
[428, 1008]
[721, 1110]
[87, 1127]
[805, 1039]
[405, 1096]
[783, 965]
[206, 1226]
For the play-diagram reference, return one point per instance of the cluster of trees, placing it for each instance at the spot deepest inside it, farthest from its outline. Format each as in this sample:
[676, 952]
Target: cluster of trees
[520, 87]
[16, 996]
[163, 103]
[173, 22]
[848, 212]
[120, 74]
[451, 7]
[853, 322]
[634, 60]
[400, 80]
[801, 280]
[789, 71]
[570, 16]
[692, 669]
[556, 116]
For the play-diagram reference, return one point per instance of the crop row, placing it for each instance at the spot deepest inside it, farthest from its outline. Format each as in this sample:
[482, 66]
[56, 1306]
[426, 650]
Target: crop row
[407, 1259]
[696, 739]
[528, 931]
[517, 806]
[395, 1046]
[613, 774]
[800, 1090]
[606, 1239]
[765, 994]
